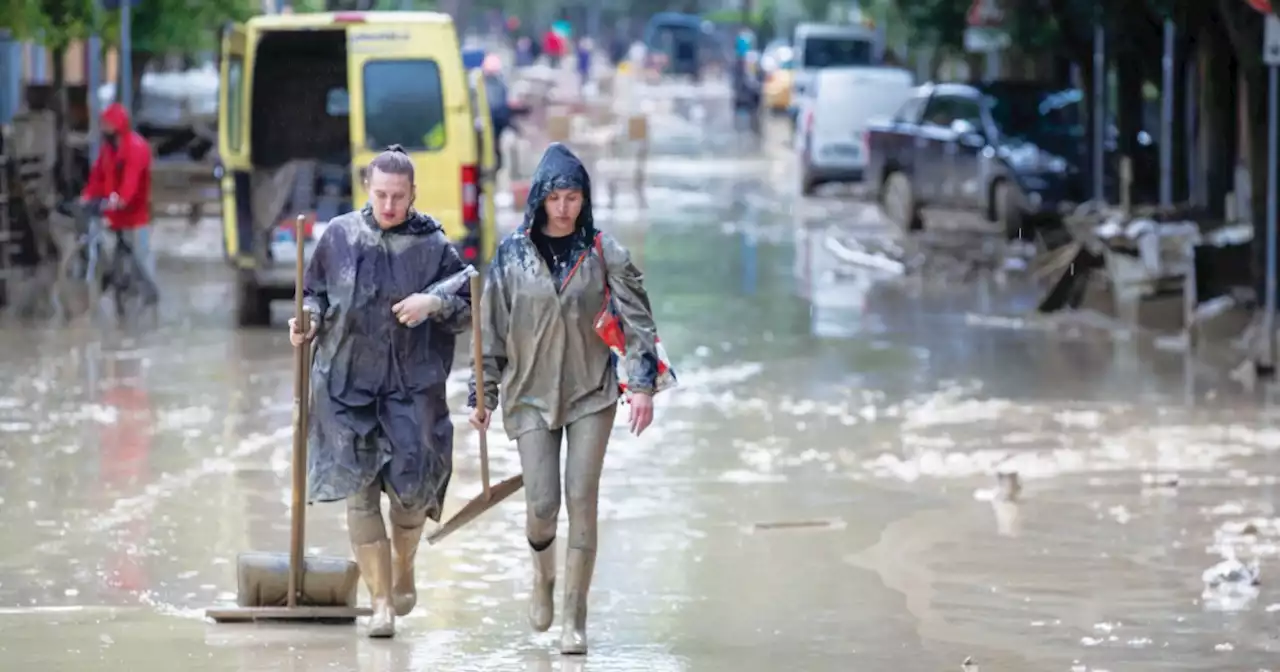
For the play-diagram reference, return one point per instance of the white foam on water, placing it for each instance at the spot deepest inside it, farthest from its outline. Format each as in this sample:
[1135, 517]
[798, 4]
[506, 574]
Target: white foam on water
[952, 434]
[133, 508]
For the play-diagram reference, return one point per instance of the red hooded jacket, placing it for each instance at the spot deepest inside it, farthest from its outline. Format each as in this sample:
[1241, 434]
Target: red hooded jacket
[124, 170]
[553, 44]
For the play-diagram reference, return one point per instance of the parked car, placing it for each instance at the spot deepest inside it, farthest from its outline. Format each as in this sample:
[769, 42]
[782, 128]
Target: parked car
[831, 139]
[1012, 151]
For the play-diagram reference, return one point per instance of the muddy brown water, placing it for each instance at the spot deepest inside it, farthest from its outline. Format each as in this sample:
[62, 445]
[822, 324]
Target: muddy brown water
[817, 495]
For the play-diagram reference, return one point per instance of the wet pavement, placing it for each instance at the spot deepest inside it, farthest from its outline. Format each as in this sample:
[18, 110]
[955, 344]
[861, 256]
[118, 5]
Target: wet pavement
[819, 494]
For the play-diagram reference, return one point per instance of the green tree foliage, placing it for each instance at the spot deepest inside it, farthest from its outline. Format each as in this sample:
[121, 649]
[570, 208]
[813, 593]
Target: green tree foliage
[1031, 24]
[53, 23]
[159, 26]
[182, 26]
[938, 23]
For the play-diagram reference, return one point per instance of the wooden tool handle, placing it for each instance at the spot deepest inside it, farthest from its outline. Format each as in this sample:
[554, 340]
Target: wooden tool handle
[301, 397]
[477, 368]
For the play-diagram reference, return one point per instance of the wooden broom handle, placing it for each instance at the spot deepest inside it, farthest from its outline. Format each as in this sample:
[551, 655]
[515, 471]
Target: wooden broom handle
[477, 369]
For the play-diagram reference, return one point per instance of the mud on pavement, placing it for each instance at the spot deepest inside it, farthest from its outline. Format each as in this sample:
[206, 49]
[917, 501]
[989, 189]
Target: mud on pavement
[822, 490]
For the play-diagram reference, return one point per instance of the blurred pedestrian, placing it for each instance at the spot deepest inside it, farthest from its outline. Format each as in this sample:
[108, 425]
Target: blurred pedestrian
[525, 52]
[553, 46]
[585, 45]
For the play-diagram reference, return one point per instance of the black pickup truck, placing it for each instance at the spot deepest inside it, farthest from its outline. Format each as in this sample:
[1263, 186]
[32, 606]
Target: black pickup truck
[1011, 151]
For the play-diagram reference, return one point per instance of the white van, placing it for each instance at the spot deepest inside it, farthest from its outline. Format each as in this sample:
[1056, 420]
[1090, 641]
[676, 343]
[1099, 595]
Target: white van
[831, 136]
[818, 46]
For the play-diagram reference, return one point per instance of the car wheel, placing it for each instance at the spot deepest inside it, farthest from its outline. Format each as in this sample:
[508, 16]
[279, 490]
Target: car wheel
[808, 185]
[253, 307]
[900, 202]
[1008, 212]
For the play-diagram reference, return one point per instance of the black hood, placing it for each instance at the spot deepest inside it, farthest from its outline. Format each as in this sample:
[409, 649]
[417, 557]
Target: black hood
[558, 169]
[416, 224]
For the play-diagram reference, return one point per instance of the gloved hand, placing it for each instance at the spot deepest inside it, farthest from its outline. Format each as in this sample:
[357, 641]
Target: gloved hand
[416, 308]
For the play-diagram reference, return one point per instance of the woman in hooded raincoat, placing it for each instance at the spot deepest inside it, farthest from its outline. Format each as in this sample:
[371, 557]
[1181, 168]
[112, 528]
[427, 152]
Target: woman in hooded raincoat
[385, 300]
[557, 377]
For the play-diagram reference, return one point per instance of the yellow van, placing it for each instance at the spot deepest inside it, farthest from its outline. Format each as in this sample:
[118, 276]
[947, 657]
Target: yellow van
[307, 100]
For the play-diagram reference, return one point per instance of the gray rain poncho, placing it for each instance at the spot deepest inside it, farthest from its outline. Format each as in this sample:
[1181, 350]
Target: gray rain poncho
[540, 345]
[377, 386]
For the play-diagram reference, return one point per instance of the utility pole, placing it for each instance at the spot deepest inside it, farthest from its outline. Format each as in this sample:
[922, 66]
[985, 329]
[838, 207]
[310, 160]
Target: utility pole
[94, 77]
[125, 75]
[1166, 116]
[1271, 58]
[1099, 108]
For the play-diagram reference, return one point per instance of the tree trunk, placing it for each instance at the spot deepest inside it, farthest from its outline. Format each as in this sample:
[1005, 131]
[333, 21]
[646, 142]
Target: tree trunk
[1243, 28]
[1183, 59]
[141, 59]
[1218, 95]
[1256, 127]
[65, 163]
[1129, 121]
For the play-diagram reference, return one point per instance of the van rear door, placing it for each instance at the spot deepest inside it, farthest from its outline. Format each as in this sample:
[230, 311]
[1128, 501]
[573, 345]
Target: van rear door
[407, 88]
[849, 98]
[233, 141]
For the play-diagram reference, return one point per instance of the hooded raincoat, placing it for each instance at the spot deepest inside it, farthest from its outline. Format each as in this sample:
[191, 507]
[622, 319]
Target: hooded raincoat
[539, 341]
[123, 168]
[377, 386]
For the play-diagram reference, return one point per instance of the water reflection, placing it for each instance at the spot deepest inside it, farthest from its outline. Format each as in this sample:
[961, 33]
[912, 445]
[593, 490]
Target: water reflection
[749, 258]
[836, 293]
[124, 462]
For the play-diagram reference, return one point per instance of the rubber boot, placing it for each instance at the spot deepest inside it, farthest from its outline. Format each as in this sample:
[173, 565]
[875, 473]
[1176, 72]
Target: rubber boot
[578, 566]
[404, 546]
[375, 566]
[542, 606]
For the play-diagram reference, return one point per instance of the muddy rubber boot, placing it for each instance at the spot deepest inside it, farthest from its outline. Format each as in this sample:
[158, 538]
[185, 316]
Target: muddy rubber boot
[375, 566]
[578, 566]
[404, 546]
[542, 606]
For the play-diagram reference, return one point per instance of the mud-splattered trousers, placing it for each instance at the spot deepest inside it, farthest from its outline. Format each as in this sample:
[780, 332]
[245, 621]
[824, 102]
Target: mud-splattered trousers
[585, 441]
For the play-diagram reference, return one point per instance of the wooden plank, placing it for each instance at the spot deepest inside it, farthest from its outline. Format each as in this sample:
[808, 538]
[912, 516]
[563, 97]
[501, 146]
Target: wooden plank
[334, 615]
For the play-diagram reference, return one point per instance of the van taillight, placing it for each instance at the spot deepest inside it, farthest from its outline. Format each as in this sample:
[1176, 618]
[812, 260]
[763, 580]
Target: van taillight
[470, 196]
[866, 143]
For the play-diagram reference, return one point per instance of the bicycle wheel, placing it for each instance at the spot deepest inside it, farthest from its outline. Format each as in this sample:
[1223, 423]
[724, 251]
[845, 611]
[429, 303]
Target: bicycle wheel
[121, 283]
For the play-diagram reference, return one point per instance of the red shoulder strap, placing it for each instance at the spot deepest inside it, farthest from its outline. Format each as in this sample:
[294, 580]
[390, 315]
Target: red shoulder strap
[581, 258]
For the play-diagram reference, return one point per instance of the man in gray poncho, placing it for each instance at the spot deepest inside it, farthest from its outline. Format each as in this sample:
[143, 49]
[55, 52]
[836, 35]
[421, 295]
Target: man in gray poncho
[386, 305]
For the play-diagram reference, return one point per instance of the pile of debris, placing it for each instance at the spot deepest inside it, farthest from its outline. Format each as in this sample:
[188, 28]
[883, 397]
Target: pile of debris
[1151, 267]
[947, 257]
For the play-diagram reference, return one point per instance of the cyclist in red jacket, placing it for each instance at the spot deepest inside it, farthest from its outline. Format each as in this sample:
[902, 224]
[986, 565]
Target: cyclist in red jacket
[121, 179]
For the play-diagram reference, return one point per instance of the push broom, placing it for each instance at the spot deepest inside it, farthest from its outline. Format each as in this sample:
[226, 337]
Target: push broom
[290, 586]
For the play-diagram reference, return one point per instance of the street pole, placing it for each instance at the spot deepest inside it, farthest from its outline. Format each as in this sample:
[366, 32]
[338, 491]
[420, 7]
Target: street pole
[125, 76]
[1271, 57]
[1191, 89]
[94, 77]
[1099, 111]
[1166, 118]
[1269, 323]
[10, 75]
[93, 81]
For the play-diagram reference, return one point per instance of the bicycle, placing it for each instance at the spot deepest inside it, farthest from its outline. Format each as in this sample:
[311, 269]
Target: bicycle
[89, 265]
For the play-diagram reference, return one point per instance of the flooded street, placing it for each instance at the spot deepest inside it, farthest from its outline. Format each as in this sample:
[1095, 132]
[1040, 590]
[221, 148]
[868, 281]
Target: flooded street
[819, 494]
